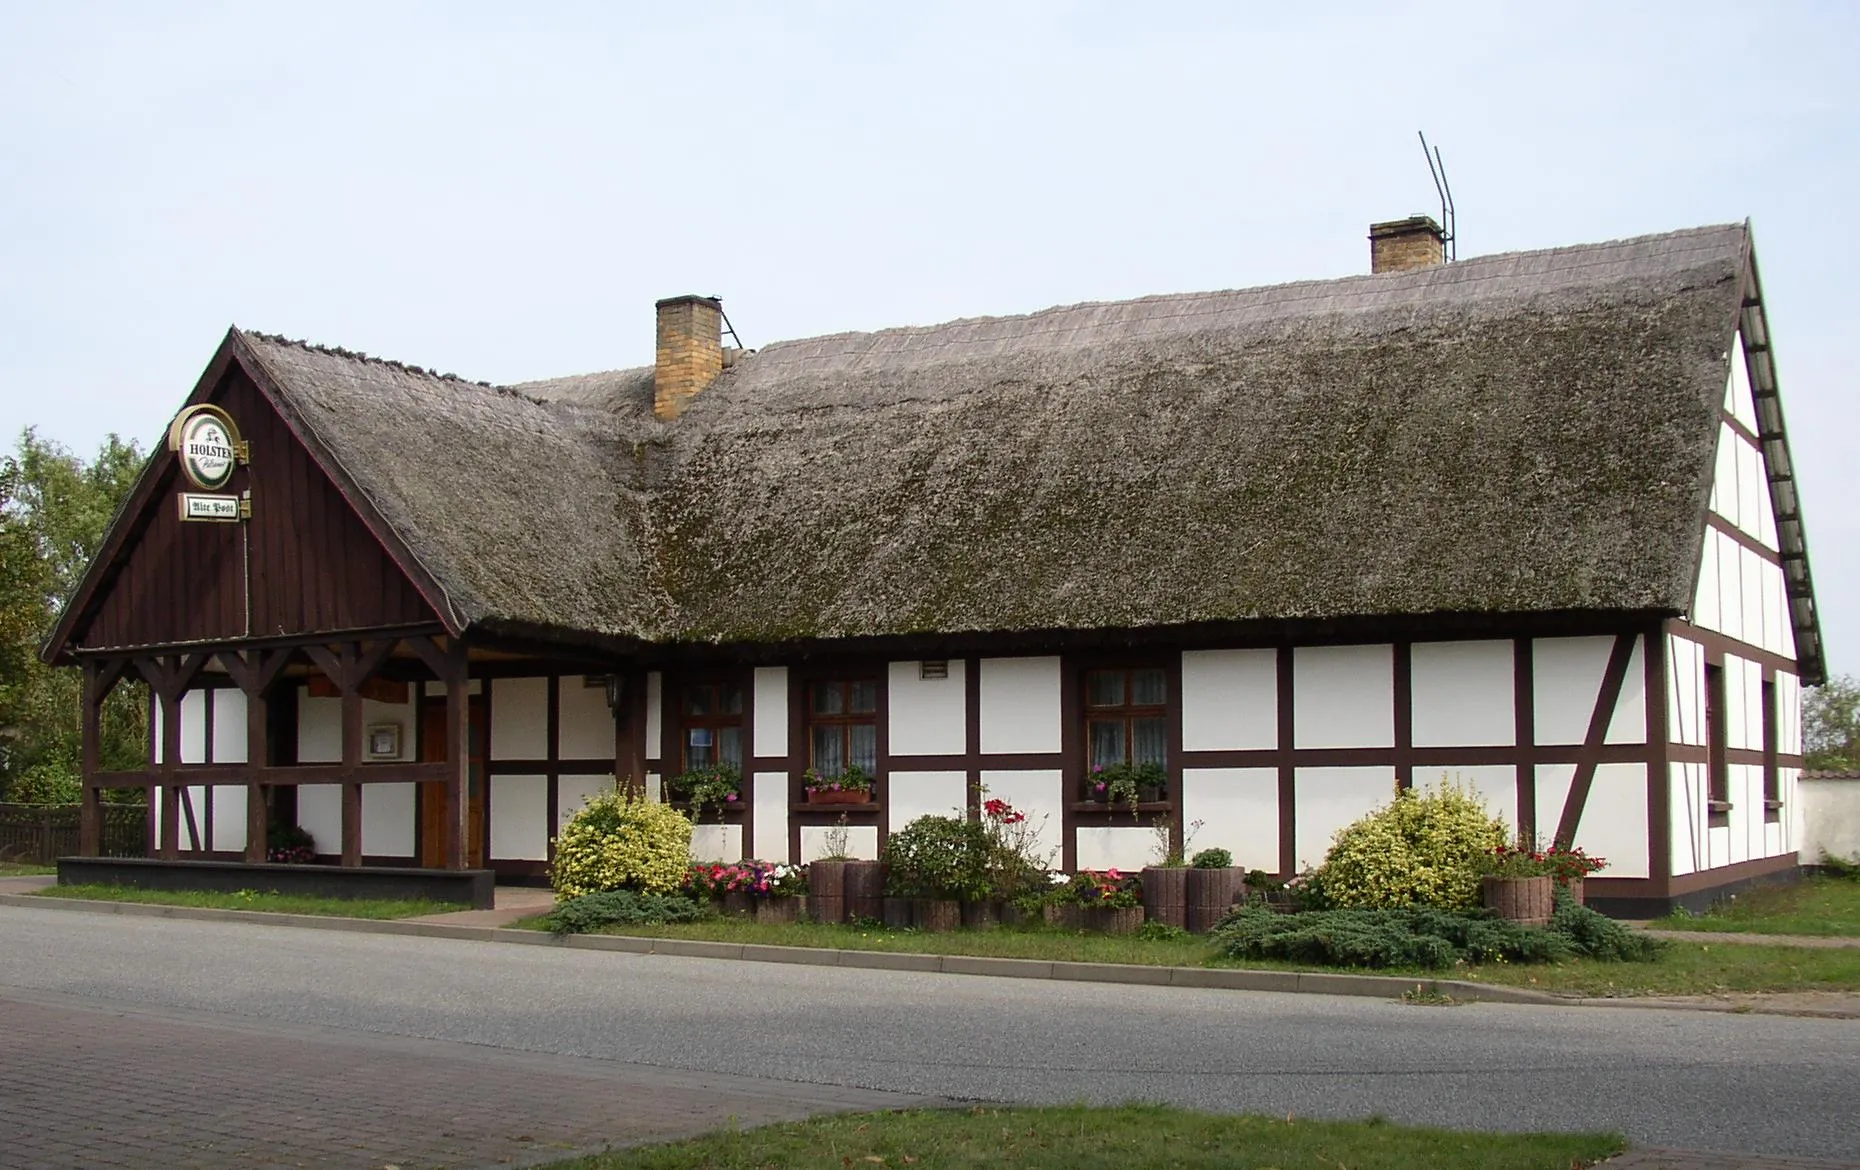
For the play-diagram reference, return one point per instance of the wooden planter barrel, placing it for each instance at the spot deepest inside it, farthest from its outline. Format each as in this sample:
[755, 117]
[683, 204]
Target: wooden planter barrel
[1574, 886]
[826, 890]
[865, 890]
[896, 912]
[1527, 901]
[779, 909]
[936, 914]
[981, 915]
[1211, 893]
[739, 903]
[1097, 919]
[1165, 895]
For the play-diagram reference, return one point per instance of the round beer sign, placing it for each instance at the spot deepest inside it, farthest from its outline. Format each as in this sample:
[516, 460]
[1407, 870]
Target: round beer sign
[208, 445]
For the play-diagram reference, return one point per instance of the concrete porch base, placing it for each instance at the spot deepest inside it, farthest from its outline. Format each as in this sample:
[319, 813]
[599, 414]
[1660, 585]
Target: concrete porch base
[468, 887]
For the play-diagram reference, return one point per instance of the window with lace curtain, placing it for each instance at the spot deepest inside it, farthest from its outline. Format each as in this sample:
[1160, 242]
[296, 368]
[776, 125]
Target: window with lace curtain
[842, 725]
[1126, 719]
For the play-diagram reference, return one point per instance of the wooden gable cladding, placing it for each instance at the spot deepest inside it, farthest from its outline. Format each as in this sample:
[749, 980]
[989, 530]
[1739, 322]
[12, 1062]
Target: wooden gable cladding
[313, 564]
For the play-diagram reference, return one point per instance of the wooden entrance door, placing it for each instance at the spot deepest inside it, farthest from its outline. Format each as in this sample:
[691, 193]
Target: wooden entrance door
[433, 795]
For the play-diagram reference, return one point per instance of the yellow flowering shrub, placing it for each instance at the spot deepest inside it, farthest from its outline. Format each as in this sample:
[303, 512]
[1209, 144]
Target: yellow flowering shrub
[1424, 848]
[617, 842]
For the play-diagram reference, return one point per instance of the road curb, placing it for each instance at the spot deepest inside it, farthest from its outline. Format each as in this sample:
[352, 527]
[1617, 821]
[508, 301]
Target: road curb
[1212, 978]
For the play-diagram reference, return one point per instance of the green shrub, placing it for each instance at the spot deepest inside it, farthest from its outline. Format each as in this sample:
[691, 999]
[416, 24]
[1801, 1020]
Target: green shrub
[617, 842]
[937, 857]
[1425, 937]
[593, 911]
[1421, 849]
[1212, 859]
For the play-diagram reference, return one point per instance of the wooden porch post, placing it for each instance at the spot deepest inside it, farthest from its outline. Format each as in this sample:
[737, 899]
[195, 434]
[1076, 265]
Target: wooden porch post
[458, 753]
[257, 755]
[351, 762]
[170, 846]
[90, 816]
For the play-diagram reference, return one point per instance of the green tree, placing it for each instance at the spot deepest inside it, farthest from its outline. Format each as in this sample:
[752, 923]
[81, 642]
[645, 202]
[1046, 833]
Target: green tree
[1831, 725]
[54, 510]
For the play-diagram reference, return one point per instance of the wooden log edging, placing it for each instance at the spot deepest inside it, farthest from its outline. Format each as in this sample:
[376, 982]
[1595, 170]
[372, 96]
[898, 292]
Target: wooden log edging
[1217, 978]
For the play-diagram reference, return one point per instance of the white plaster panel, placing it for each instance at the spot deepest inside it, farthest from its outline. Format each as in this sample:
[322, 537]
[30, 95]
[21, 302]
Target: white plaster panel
[519, 718]
[1739, 728]
[1788, 714]
[1752, 502]
[519, 817]
[228, 735]
[1717, 847]
[723, 843]
[1725, 498]
[1568, 679]
[655, 714]
[1038, 793]
[1463, 694]
[319, 813]
[572, 793]
[1614, 819]
[1553, 781]
[1239, 811]
[929, 717]
[1739, 399]
[194, 727]
[194, 826]
[1230, 700]
[586, 731]
[1107, 847]
[1331, 798]
[1686, 805]
[228, 812]
[1706, 600]
[655, 792]
[861, 842]
[1020, 704]
[1773, 616]
[1750, 570]
[1730, 586]
[769, 807]
[1744, 839]
[156, 739]
[388, 819]
[1628, 723]
[916, 794]
[1685, 664]
[771, 714]
[1343, 697]
[319, 731]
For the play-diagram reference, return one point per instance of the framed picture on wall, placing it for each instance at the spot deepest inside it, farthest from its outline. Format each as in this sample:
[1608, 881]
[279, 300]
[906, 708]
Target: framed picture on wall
[384, 741]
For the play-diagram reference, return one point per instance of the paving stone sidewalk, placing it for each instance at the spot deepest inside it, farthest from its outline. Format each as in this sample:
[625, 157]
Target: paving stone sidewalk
[90, 1085]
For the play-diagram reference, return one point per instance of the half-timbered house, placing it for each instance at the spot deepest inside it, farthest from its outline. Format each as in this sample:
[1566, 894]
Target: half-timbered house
[1526, 520]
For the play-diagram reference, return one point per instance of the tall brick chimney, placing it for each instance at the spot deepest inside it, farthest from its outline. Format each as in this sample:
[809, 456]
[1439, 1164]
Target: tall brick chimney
[690, 352]
[1402, 245]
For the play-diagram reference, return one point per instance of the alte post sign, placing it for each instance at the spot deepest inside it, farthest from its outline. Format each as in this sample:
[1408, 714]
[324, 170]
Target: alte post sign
[210, 449]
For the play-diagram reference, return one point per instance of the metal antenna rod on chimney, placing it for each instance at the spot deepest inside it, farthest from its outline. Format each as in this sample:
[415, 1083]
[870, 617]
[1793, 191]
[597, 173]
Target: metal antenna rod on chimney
[728, 328]
[1448, 217]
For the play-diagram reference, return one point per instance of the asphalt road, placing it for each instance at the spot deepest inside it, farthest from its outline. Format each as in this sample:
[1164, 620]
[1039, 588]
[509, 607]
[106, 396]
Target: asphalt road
[1767, 1084]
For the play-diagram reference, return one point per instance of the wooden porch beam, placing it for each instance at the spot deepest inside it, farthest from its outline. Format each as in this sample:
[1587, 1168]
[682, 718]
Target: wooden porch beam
[458, 753]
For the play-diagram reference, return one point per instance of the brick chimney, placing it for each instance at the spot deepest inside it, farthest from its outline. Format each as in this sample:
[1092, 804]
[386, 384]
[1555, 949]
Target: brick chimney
[1402, 245]
[690, 352]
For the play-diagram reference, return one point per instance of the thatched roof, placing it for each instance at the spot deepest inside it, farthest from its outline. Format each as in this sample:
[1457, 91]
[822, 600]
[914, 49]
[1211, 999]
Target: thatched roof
[1517, 433]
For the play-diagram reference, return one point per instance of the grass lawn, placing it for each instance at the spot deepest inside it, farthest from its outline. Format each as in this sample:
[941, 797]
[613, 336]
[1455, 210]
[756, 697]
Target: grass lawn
[1816, 905]
[1130, 1137]
[1683, 969]
[255, 900]
[15, 869]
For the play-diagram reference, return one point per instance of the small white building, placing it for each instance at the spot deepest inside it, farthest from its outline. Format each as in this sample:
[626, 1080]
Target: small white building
[1527, 520]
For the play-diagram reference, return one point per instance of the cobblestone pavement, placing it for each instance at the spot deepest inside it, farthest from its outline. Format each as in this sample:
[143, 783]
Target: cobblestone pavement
[1695, 1160]
[87, 1085]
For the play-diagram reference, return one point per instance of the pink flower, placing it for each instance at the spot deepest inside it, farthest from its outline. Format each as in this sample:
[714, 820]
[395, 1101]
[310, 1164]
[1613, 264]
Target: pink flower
[729, 797]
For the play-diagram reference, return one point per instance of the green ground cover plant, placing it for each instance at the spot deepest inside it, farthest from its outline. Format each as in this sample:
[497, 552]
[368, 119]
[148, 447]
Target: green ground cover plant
[1126, 1137]
[256, 900]
[16, 869]
[610, 907]
[1823, 906]
[1421, 937]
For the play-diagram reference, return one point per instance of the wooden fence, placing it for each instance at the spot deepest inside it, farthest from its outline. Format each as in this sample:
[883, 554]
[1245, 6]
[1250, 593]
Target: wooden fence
[39, 834]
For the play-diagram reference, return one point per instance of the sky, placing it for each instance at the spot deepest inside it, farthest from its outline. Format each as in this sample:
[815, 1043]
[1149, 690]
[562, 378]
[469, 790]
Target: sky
[502, 191]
